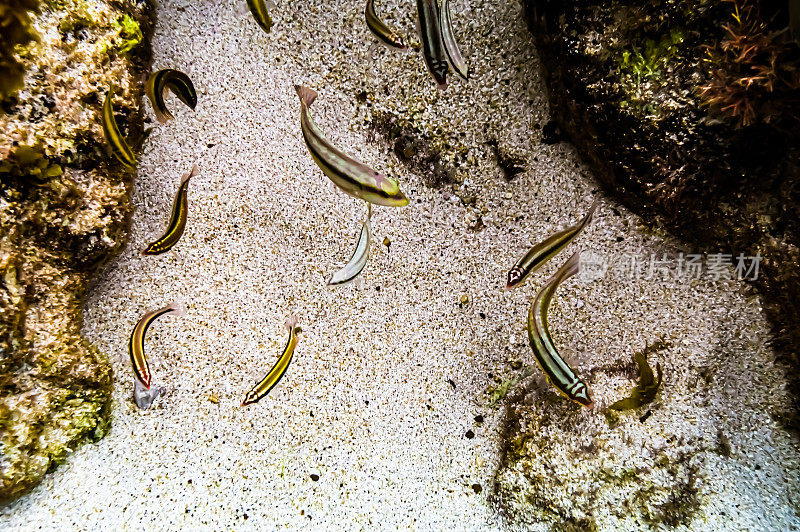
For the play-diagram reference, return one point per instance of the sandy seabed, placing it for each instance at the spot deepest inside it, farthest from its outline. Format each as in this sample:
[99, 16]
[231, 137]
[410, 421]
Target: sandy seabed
[368, 428]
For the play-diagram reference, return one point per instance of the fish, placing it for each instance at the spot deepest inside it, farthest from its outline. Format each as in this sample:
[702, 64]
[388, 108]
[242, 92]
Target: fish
[454, 56]
[177, 222]
[432, 46]
[557, 371]
[350, 175]
[260, 11]
[360, 256]
[279, 369]
[385, 34]
[141, 369]
[542, 252]
[174, 80]
[145, 397]
[119, 147]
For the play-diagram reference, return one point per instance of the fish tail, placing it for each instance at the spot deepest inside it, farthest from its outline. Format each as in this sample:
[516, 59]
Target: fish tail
[292, 322]
[177, 308]
[192, 173]
[590, 214]
[307, 96]
[162, 116]
[568, 269]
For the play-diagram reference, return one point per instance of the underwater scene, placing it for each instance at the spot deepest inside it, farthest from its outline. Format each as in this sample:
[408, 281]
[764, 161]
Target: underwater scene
[400, 265]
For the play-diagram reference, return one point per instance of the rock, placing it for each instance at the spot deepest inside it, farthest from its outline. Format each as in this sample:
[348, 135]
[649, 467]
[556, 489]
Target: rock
[688, 123]
[64, 210]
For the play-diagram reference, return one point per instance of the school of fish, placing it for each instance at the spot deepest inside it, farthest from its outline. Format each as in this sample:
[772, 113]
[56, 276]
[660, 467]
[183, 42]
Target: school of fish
[441, 53]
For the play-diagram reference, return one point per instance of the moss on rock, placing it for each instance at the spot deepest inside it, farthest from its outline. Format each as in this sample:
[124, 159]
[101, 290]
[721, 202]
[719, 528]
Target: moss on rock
[64, 210]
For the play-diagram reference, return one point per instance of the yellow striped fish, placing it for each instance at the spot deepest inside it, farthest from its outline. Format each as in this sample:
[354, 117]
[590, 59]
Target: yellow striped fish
[119, 147]
[260, 11]
[279, 369]
[174, 80]
[538, 255]
[557, 370]
[350, 175]
[177, 222]
[141, 369]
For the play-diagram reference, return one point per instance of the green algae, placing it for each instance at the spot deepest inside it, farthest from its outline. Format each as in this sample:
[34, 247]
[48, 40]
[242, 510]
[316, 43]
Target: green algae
[646, 389]
[552, 471]
[648, 63]
[129, 32]
[642, 70]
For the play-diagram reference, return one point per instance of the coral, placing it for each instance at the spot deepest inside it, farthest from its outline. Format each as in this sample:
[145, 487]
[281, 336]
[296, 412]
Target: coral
[64, 209]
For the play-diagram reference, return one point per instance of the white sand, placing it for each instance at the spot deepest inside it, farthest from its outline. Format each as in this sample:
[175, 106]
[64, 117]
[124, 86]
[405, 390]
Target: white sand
[366, 404]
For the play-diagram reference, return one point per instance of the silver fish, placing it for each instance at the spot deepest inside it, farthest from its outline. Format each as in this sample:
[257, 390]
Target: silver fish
[454, 56]
[360, 256]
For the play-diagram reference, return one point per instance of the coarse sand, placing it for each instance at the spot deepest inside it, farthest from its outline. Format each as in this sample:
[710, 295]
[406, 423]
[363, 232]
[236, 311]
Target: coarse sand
[373, 426]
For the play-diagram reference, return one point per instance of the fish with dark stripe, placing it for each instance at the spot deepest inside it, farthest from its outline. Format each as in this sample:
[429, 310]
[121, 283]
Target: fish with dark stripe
[174, 80]
[119, 147]
[177, 222]
[557, 370]
[432, 46]
[539, 254]
[260, 11]
[143, 393]
[279, 369]
[386, 35]
[352, 176]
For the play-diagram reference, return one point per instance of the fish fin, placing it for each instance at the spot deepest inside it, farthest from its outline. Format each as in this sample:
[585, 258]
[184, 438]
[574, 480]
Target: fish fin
[568, 269]
[590, 214]
[178, 308]
[192, 173]
[163, 116]
[144, 397]
[306, 95]
[292, 322]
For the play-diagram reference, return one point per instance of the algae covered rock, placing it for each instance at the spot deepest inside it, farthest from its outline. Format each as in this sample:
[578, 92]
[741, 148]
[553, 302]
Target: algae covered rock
[15, 21]
[689, 112]
[64, 208]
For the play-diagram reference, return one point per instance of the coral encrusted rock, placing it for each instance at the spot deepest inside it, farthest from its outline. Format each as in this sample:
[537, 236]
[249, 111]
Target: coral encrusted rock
[688, 111]
[64, 211]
